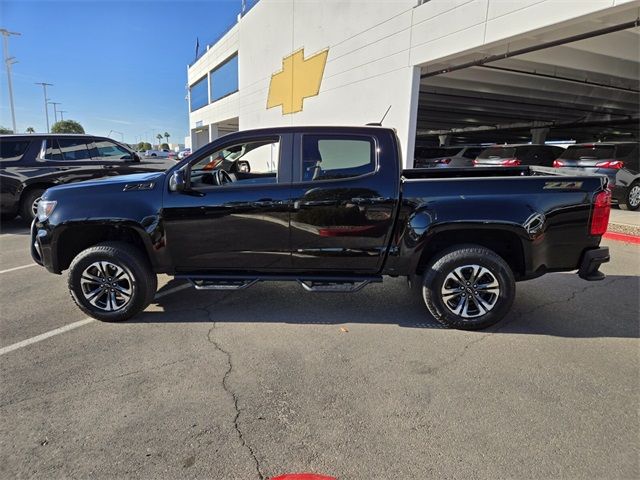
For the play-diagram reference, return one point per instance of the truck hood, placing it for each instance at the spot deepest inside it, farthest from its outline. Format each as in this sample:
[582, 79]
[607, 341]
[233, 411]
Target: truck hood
[114, 181]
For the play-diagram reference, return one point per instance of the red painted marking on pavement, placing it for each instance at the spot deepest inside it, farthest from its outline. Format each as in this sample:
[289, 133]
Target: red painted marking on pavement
[622, 237]
[303, 476]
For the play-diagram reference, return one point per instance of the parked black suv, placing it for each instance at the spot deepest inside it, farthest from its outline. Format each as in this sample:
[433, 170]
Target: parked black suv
[29, 164]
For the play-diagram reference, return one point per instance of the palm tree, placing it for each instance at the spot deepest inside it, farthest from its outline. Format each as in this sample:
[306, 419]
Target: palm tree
[30, 130]
[166, 135]
[159, 137]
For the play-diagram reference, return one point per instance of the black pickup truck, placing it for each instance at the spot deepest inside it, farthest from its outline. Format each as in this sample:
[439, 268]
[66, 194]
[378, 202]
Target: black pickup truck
[330, 208]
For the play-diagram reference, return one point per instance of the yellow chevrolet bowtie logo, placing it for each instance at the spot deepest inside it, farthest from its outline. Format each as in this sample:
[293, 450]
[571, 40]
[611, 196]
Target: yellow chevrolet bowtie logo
[298, 79]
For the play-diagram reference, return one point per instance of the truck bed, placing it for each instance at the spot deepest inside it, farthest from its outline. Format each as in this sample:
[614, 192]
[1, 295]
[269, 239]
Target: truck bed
[473, 172]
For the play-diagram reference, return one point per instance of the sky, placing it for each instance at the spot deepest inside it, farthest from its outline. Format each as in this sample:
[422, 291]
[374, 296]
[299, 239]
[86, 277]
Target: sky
[117, 66]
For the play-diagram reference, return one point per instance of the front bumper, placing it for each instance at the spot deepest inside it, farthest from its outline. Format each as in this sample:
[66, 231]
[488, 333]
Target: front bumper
[40, 247]
[34, 246]
[591, 261]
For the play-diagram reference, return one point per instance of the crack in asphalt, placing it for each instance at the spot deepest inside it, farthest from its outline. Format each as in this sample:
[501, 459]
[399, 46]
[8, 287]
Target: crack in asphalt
[233, 395]
[518, 315]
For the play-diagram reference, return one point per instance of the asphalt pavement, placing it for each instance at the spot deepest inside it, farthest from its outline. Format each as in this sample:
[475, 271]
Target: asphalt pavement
[273, 380]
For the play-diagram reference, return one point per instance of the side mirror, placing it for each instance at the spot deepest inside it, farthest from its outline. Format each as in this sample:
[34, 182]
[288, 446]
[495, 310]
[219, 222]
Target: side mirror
[177, 182]
[243, 166]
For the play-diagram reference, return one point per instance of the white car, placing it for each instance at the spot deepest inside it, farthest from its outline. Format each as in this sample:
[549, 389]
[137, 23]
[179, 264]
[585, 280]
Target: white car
[184, 153]
[157, 153]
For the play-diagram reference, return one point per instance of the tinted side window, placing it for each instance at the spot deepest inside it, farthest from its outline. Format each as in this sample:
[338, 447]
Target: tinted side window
[472, 152]
[73, 149]
[328, 158]
[12, 150]
[52, 151]
[111, 151]
[624, 150]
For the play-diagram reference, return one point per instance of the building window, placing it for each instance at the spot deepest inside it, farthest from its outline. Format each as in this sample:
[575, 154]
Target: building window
[198, 94]
[224, 79]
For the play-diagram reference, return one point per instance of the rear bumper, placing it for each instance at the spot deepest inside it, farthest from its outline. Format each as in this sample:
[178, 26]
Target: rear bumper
[591, 261]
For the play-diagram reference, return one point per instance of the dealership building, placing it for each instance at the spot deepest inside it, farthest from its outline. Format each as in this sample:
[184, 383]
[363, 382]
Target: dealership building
[445, 72]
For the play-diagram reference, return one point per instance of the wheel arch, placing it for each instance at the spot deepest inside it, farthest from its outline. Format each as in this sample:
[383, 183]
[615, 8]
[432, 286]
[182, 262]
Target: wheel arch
[73, 239]
[34, 186]
[505, 240]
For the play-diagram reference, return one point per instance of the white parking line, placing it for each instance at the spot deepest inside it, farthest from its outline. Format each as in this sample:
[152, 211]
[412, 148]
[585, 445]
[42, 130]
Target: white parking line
[18, 268]
[50, 333]
[72, 326]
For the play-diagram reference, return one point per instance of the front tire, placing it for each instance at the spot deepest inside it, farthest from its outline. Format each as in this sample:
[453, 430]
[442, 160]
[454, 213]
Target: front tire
[631, 199]
[468, 287]
[29, 204]
[112, 281]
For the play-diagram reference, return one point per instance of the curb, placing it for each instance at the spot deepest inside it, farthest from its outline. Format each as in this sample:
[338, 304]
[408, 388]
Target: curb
[622, 237]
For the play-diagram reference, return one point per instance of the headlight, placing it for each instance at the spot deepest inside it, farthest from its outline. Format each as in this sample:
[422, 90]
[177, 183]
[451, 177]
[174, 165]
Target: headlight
[45, 209]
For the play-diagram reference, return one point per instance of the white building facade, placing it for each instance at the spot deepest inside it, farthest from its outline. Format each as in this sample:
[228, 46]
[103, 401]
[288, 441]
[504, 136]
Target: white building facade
[298, 62]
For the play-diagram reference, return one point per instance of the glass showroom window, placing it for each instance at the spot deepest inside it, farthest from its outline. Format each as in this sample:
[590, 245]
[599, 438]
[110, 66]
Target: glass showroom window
[198, 94]
[224, 79]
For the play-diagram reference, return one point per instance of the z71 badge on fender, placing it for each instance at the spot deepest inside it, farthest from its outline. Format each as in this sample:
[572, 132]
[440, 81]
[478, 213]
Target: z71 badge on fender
[562, 185]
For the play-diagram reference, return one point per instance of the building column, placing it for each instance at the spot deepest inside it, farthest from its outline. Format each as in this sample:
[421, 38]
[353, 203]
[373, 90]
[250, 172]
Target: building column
[539, 135]
[410, 144]
[445, 140]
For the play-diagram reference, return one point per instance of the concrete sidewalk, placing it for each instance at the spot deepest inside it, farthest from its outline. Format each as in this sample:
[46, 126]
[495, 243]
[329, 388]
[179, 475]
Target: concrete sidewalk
[624, 221]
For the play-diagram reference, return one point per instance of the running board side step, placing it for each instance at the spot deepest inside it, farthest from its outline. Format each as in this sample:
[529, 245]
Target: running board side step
[310, 284]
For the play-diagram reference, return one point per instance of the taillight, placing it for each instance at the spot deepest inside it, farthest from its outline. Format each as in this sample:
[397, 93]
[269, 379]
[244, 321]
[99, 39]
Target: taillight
[600, 214]
[558, 163]
[510, 162]
[475, 162]
[443, 160]
[617, 164]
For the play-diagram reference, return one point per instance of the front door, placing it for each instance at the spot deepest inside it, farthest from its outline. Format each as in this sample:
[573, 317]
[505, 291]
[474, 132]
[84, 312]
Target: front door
[344, 201]
[234, 215]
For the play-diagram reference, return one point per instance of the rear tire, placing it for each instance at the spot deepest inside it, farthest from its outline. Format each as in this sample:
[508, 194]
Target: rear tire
[112, 281]
[28, 204]
[631, 199]
[468, 287]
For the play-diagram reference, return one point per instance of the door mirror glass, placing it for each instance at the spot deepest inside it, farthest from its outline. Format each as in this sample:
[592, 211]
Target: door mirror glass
[243, 166]
[177, 181]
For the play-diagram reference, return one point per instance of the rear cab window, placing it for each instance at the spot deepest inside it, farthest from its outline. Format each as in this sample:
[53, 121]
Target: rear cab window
[12, 150]
[329, 157]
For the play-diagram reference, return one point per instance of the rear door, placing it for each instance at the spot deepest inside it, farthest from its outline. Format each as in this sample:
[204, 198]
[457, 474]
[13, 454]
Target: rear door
[69, 159]
[344, 199]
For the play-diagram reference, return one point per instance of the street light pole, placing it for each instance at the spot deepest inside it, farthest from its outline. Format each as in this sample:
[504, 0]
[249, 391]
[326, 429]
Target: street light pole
[55, 113]
[46, 109]
[8, 61]
[61, 114]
